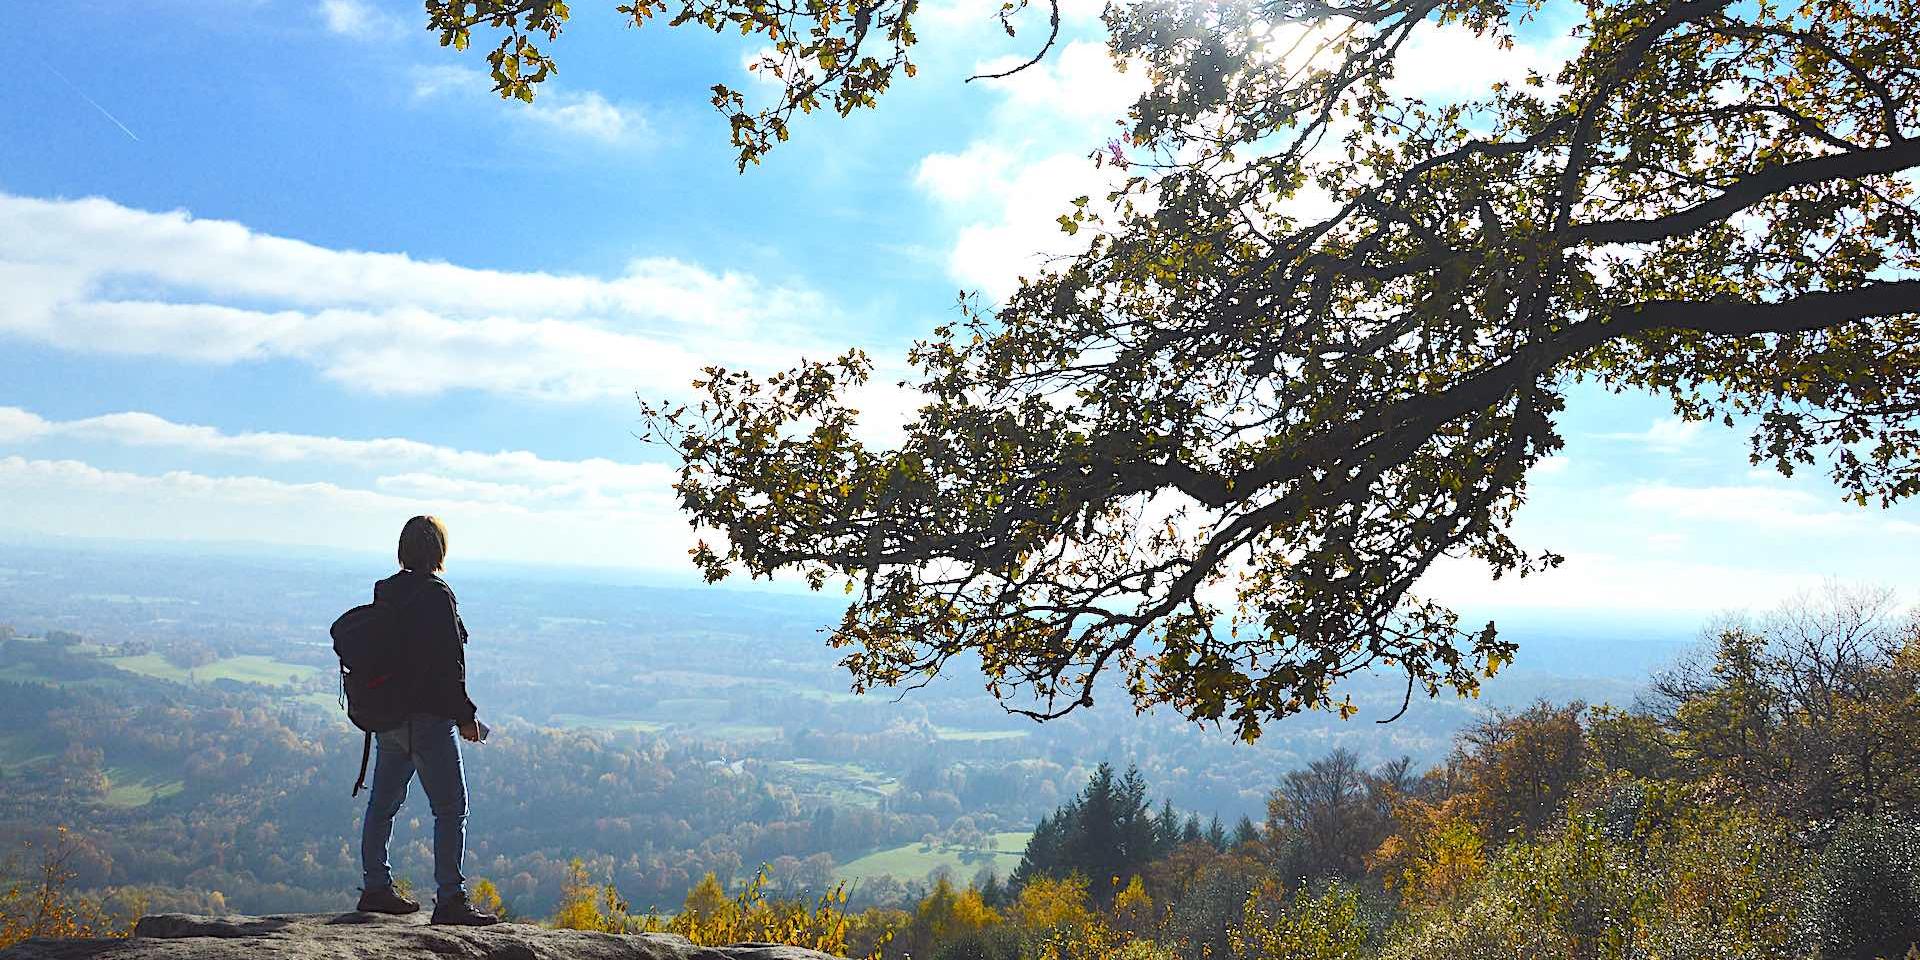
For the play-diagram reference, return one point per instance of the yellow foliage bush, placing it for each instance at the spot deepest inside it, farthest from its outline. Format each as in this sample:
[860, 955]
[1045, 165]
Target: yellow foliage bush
[1133, 908]
[43, 906]
[712, 919]
[586, 905]
[946, 913]
[1046, 904]
[1306, 926]
[485, 896]
[1436, 855]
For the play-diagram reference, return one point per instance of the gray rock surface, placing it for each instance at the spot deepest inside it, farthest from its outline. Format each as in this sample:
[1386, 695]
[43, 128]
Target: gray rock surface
[353, 936]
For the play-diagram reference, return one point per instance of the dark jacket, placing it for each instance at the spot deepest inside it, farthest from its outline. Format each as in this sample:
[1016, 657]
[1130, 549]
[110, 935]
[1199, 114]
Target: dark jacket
[435, 642]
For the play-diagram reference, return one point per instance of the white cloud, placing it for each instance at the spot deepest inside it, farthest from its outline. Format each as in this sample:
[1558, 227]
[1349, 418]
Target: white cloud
[360, 19]
[511, 505]
[1005, 191]
[433, 471]
[1021, 201]
[71, 498]
[1078, 84]
[1667, 541]
[17, 425]
[971, 176]
[96, 277]
[1551, 466]
[587, 114]
[432, 486]
[447, 79]
[1665, 435]
[1606, 583]
[1758, 508]
[1452, 63]
[91, 275]
[967, 23]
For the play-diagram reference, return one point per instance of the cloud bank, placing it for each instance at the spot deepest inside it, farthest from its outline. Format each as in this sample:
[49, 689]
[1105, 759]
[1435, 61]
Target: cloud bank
[93, 276]
[510, 505]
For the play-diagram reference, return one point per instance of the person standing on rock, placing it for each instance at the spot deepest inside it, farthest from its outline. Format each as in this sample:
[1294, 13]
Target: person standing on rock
[436, 667]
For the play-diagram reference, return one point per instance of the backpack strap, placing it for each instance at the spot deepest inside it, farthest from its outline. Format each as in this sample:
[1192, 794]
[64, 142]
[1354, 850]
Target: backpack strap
[366, 751]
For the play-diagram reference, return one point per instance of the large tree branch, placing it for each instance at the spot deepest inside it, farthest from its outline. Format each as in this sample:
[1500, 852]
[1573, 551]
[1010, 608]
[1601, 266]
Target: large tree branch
[1420, 415]
[1624, 65]
[1815, 310]
[1747, 191]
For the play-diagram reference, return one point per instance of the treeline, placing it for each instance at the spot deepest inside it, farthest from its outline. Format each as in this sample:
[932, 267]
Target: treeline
[261, 821]
[1757, 802]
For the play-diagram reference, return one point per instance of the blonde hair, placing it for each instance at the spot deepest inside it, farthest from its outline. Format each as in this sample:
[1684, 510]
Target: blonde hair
[423, 544]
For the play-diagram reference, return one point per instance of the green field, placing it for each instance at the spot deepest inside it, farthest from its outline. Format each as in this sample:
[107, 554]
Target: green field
[126, 598]
[246, 669]
[25, 673]
[846, 783]
[692, 710]
[955, 733]
[22, 673]
[131, 787]
[19, 749]
[130, 784]
[695, 728]
[824, 696]
[574, 721]
[731, 731]
[910, 862]
[851, 772]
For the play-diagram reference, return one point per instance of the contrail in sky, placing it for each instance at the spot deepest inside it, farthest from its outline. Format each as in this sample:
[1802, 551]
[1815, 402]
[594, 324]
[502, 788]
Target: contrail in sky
[90, 100]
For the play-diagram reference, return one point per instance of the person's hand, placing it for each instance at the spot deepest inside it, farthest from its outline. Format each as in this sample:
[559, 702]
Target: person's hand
[470, 731]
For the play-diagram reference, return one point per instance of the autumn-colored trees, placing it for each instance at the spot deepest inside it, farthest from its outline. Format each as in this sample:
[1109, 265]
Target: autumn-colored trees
[42, 903]
[1812, 711]
[1324, 821]
[1730, 814]
[1749, 806]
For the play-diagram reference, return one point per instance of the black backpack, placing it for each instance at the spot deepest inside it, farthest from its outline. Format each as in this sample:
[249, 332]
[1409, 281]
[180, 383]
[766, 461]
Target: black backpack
[373, 671]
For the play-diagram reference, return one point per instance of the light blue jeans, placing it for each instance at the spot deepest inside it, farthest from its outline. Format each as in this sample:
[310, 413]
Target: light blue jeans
[429, 746]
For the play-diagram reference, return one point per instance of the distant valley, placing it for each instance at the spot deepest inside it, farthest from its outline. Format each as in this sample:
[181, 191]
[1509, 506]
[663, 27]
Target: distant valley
[179, 711]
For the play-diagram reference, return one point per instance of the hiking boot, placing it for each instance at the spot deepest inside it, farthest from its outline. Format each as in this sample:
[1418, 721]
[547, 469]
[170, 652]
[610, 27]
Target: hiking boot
[385, 900]
[456, 911]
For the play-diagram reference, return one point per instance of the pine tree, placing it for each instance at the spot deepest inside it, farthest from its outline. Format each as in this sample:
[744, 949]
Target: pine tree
[1166, 829]
[991, 892]
[1217, 834]
[1043, 856]
[1245, 832]
[1137, 844]
[1094, 844]
[1106, 834]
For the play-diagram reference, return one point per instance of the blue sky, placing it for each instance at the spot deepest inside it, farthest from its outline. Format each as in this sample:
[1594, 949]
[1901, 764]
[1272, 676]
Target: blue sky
[284, 271]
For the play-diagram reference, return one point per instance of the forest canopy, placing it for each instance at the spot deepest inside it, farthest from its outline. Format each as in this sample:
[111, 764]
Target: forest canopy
[1322, 332]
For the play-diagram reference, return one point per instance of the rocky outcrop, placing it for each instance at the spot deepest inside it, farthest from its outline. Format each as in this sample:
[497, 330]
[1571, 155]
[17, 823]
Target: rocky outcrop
[362, 936]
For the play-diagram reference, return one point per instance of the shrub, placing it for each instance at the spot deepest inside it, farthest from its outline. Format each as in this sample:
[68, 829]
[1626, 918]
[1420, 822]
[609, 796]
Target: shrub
[45, 906]
[946, 915]
[1326, 926]
[1713, 883]
[821, 924]
[996, 943]
[1866, 899]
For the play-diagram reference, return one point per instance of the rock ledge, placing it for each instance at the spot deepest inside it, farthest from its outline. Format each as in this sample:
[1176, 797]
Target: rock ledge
[353, 936]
